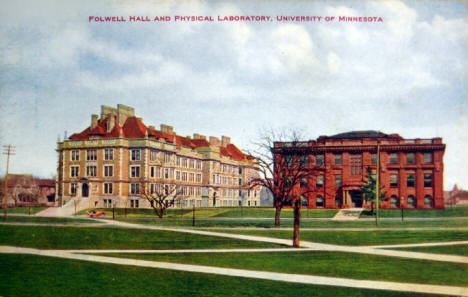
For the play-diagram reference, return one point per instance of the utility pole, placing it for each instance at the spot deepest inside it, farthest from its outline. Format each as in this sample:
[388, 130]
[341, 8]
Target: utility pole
[7, 150]
[377, 186]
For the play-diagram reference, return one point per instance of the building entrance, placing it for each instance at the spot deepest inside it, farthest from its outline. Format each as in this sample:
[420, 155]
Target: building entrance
[85, 190]
[356, 198]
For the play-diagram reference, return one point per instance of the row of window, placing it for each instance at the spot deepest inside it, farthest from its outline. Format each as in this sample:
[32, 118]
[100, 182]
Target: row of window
[356, 160]
[394, 201]
[411, 180]
[91, 154]
[135, 155]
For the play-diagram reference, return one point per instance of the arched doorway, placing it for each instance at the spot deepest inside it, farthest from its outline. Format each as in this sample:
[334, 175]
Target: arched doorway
[85, 190]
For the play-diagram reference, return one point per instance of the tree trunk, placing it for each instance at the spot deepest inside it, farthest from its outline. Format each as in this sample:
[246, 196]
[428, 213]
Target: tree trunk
[278, 216]
[297, 220]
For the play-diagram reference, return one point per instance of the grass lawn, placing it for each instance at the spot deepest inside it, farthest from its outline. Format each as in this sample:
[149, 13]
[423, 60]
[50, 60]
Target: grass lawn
[25, 275]
[346, 265]
[221, 212]
[25, 210]
[49, 237]
[362, 237]
[459, 249]
[420, 213]
[51, 220]
[269, 223]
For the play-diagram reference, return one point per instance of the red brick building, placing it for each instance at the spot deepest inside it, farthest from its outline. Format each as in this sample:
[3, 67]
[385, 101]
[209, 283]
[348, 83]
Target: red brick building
[411, 170]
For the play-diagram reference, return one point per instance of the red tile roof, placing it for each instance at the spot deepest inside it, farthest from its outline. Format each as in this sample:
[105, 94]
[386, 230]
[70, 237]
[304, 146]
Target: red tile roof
[134, 128]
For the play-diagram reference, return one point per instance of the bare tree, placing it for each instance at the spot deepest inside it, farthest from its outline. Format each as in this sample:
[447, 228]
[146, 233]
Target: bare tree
[282, 162]
[161, 197]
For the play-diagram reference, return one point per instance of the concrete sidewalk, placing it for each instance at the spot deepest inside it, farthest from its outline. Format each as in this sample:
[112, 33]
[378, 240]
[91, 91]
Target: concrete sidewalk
[293, 278]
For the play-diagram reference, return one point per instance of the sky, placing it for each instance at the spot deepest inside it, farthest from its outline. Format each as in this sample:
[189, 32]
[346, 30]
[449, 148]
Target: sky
[405, 75]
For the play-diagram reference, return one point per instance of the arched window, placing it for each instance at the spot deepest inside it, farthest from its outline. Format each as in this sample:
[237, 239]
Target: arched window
[411, 201]
[394, 203]
[304, 201]
[428, 201]
[320, 202]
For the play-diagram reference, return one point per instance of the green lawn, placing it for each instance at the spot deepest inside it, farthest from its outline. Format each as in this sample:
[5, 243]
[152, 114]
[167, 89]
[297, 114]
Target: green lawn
[335, 264]
[269, 223]
[48, 220]
[459, 249]
[49, 237]
[420, 213]
[362, 237]
[25, 275]
[220, 212]
[25, 210]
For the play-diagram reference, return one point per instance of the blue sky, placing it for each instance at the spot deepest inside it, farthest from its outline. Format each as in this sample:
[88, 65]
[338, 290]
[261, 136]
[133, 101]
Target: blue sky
[406, 75]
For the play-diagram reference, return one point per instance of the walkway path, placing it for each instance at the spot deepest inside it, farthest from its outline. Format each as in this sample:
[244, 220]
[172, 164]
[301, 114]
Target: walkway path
[293, 278]
[306, 244]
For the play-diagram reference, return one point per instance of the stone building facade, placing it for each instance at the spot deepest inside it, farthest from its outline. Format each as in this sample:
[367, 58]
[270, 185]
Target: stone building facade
[411, 170]
[118, 157]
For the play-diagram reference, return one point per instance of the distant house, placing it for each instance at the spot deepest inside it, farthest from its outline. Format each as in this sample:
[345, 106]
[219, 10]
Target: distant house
[27, 190]
[456, 197]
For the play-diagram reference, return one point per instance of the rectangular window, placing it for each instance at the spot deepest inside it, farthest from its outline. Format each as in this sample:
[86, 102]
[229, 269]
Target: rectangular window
[153, 155]
[167, 157]
[90, 170]
[192, 163]
[135, 155]
[393, 180]
[74, 171]
[427, 158]
[410, 158]
[177, 175]
[166, 173]
[303, 183]
[319, 181]
[108, 188]
[304, 160]
[199, 178]
[178, 161]
[428, 179]
[134, 171]
[410, 180]
[135, 188]
[152, 171]
[337, 159]
[393, 158]
[73, 189]
[184, 162]
[289, 160]
[184, 176]
[374, 159]
[75, 155]
[199, 164]
[319, 159]
[338, 180]
[108, 154]
[191, 177]
[356, 164]
[108, 170]
[91, 155]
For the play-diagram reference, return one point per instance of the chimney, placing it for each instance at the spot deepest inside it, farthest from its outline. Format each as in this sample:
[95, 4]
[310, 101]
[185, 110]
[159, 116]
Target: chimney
[198, 136]
[94, 121]
[167, 129]
[151, 127]
[124, 112]
[214, 141]
[110, 123]
[225, 140]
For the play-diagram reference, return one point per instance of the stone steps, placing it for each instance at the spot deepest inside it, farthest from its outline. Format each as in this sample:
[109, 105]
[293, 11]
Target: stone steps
[348, 214]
